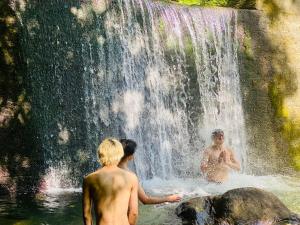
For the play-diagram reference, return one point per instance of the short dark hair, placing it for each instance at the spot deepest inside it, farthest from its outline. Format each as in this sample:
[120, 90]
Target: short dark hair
[129, 147]
[216, 132]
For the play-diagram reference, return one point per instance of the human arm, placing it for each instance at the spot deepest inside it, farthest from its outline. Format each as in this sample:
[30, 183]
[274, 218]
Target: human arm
[133, 202]
[86, 203]
[204, 162]
[232, 162]
[145, 199]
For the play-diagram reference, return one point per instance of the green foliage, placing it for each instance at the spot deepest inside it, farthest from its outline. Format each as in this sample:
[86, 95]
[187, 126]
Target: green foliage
[12, 91]
[18, 155]
[247, 4]
[10, 62]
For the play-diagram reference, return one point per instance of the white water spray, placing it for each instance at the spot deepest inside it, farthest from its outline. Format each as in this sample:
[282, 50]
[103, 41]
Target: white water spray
[166, 76]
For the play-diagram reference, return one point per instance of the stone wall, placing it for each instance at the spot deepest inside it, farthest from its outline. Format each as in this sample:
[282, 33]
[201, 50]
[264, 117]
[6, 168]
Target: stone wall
[284, 90]
[285, 33]
[270, 76]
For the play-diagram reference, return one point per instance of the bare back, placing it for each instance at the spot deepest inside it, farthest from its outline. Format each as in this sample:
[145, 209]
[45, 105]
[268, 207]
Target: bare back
[111, 190]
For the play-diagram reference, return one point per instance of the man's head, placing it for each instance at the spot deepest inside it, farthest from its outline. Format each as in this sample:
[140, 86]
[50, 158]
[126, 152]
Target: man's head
[218, 136]
[129, 147]
[110, 152]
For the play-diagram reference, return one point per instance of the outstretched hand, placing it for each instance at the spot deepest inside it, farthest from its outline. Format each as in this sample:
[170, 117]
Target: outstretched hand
[173, 198]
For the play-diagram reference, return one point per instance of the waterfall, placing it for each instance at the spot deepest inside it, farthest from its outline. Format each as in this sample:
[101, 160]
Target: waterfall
[163, 75]
[166, 76]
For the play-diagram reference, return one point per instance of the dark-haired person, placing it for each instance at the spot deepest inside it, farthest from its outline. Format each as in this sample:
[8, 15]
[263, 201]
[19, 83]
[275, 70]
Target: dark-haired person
[111, 190]
[218, 160]
[129, 147]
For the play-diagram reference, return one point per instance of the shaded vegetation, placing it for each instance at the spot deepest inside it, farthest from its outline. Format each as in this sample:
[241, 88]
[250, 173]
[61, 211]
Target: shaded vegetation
[19, 160]
[271, 8]
[12, 92]
[275, 8]
[241, 4]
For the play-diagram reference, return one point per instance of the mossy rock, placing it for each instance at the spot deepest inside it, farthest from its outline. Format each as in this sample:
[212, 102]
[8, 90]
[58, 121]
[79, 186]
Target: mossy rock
[239, 4]
[237, 206]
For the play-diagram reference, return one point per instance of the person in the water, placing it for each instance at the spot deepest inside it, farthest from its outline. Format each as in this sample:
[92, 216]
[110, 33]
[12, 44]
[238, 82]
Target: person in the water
[111, 190]
[218, 160]
[129, 147]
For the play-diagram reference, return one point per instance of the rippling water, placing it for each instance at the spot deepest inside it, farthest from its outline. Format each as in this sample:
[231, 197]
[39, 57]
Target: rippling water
[63, 206]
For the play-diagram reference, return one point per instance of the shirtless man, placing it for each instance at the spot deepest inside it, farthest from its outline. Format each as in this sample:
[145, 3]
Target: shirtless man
[112, 191]
[218, 160]
[129, 147]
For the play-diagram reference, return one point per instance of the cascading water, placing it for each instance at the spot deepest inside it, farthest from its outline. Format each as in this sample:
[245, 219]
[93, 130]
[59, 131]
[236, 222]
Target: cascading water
[166, 76]
[161, 74]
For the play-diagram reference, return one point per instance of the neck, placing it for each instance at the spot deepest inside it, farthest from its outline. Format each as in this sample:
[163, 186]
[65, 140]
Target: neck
[123, 164]
[110, 166]
[217, 146]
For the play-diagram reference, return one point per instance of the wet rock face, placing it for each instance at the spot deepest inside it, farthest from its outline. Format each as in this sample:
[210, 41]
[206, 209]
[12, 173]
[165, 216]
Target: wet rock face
[244, 205]
[237, 207]
[196, 211]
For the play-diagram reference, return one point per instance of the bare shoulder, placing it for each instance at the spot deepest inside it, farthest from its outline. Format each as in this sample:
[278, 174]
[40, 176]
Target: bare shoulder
[90, 177]
[131, 176]
[207, 150]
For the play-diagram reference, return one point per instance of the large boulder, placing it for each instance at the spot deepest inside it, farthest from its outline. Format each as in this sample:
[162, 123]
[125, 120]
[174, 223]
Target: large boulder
[195, 211]
[237, 207]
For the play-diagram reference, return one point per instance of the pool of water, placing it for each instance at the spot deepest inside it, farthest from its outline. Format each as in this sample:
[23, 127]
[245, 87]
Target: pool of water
[63, 206]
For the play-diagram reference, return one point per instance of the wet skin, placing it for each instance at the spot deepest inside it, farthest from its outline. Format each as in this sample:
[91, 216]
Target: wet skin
[218, 161]
[113, 193]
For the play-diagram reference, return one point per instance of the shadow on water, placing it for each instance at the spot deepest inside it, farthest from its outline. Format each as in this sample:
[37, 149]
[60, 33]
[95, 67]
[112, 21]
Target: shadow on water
[44, 209]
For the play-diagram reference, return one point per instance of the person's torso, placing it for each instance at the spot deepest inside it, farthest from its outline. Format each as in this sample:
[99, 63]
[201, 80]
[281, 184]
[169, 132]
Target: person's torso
[111, 192]
[214, 156]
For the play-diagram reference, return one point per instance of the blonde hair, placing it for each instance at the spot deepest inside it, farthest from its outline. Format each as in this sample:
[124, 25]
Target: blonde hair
[110, 152]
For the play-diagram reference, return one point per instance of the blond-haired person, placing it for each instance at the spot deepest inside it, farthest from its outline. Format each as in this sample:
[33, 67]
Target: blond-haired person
[112, 191]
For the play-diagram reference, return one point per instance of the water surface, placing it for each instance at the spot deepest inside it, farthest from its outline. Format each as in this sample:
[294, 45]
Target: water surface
[63, 206]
